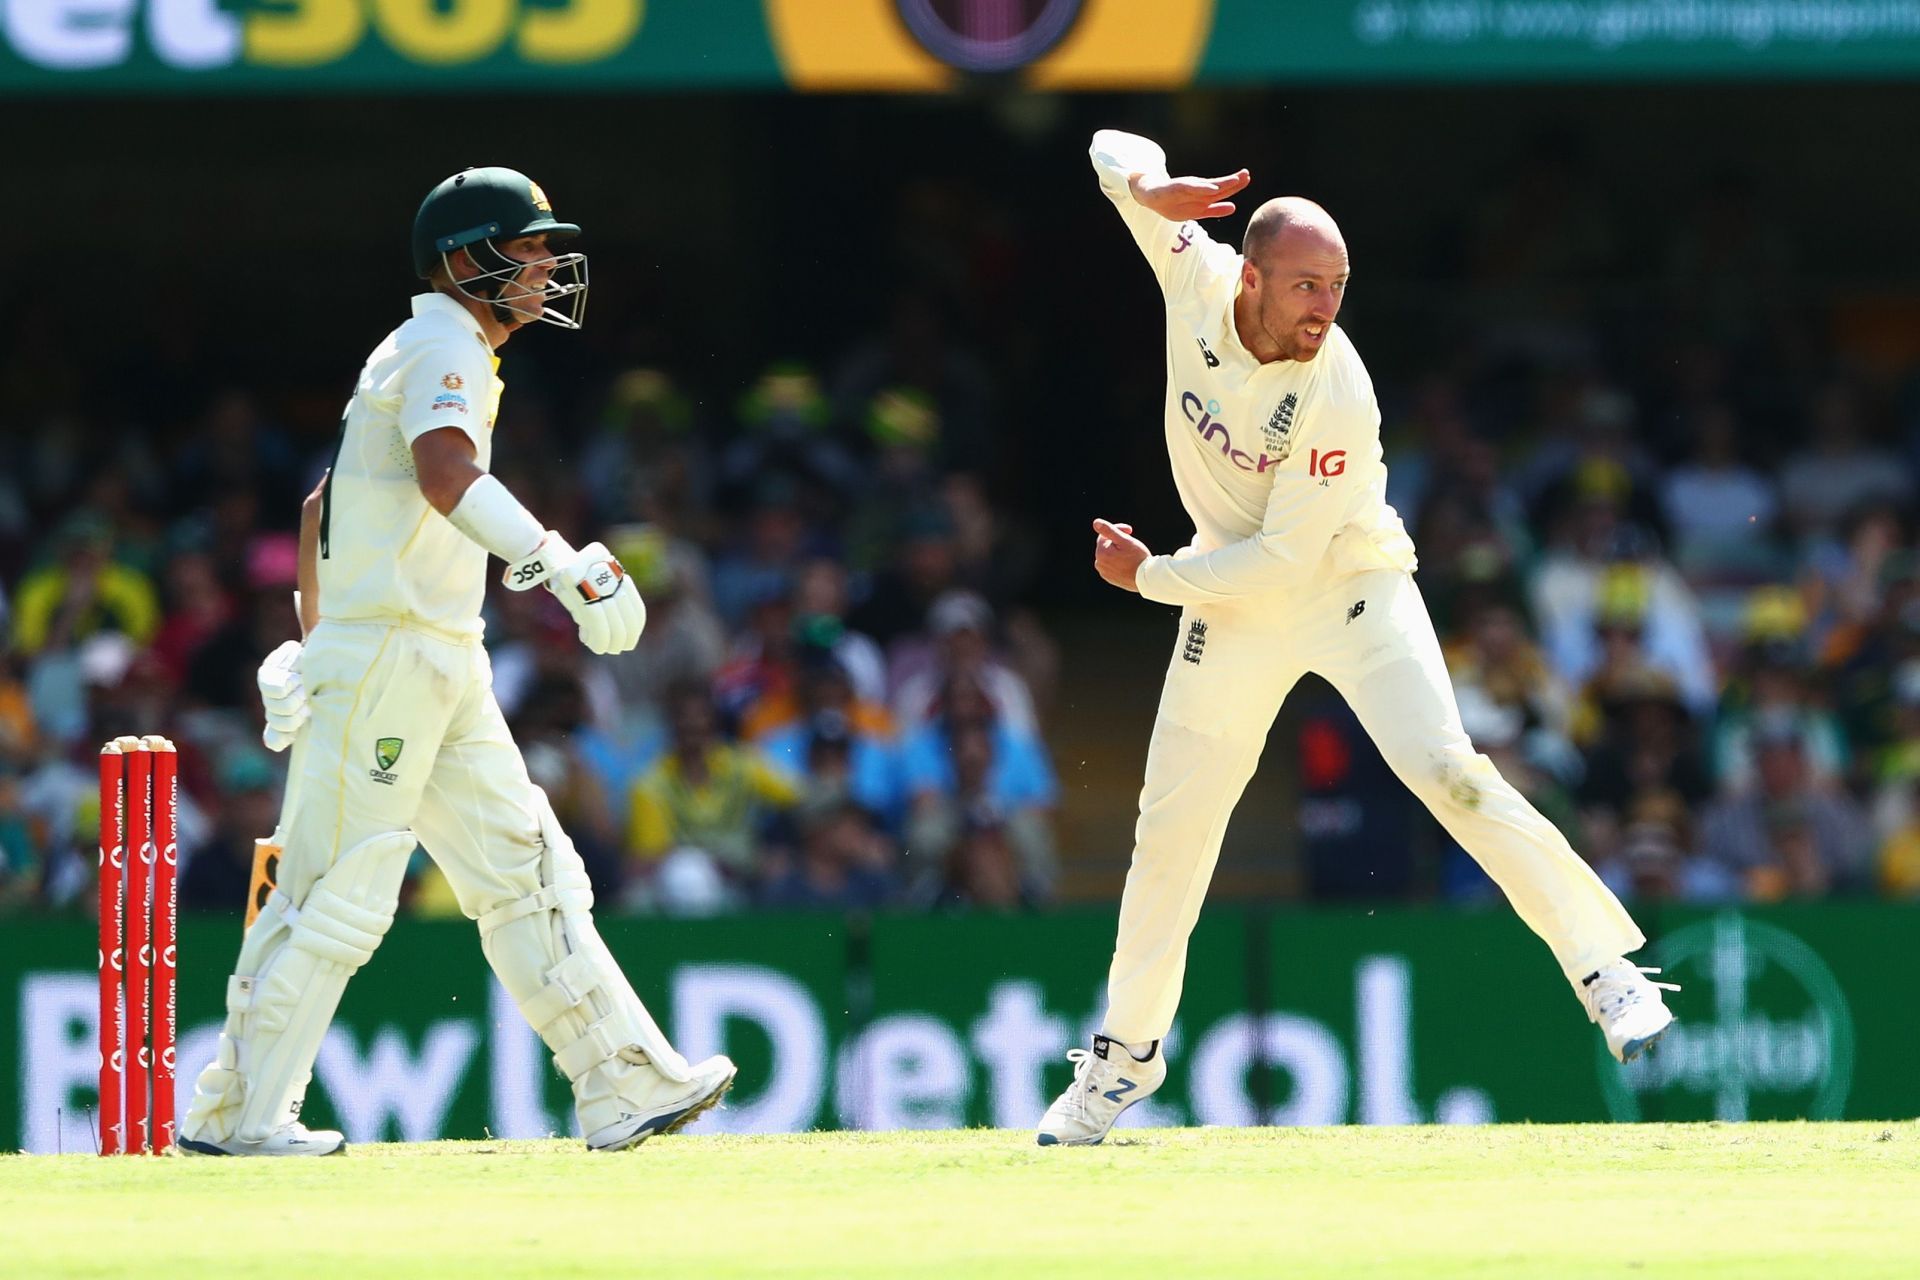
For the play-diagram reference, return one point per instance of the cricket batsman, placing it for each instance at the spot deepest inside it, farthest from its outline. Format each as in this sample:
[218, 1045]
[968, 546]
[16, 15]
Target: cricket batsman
[395, 733]
[1297, 564]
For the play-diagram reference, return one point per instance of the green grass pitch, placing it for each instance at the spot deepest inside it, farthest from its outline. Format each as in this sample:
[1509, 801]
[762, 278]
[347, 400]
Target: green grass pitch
[1825, 1200]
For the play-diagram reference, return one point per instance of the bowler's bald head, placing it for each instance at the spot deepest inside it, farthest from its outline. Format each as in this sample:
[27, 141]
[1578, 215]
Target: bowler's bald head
[1291, 224]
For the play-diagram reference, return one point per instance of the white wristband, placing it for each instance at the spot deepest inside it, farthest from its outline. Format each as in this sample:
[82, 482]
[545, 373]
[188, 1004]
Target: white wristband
[494, 518]
[539, 564]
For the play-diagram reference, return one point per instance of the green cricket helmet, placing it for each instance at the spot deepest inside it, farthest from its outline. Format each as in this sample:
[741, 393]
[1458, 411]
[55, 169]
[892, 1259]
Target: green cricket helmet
[480, 209]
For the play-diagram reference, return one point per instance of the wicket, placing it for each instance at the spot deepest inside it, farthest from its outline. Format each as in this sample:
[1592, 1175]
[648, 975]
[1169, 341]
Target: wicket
[139, 918]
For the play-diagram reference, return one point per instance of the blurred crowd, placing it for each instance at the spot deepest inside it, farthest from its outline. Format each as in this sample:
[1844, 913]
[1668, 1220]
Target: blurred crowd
[837, 702]
[1664, 507]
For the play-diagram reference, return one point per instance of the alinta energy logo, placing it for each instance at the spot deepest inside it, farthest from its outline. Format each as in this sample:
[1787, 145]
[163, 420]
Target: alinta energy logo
[1763, 1032]
[989, 36]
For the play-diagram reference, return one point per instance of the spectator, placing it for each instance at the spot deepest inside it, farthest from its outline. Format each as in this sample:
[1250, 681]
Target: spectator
[966, 845]
[1896, 766]
[982, 872]
[787, 435]
[925, 566]
[20, 854]
[645, 449]
[1499, 659]
[222, 670]
[684, 639]
[1787, 838]
[1721, 511]
[964, 760]
[903, 428]
[841, 748]
[822, 596]
[844, 863]
[1646, 757]
[82, 593]
[1640, 614]
[198, 608]
[1653, 861]
[959, 644]
[814, 680]
[763, 669]
[916, 351]
[1771, 699]
[1841, 472]
[1898, 870]
[767, 561]
[706, 794]
[18, 734]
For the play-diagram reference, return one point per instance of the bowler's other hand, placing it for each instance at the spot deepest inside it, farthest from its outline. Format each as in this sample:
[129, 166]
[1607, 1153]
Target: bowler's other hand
[1181, 199]
[1117, 554]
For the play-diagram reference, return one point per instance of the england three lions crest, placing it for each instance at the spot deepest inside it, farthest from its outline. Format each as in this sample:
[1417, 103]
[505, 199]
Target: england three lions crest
[1279, 428]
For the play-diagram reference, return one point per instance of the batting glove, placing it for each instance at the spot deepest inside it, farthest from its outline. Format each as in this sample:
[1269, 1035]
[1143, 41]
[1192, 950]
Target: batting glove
[283, 695]
[593, 586]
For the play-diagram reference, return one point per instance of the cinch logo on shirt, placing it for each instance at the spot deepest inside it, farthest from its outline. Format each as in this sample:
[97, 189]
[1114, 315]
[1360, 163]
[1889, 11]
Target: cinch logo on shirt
[1211, 429]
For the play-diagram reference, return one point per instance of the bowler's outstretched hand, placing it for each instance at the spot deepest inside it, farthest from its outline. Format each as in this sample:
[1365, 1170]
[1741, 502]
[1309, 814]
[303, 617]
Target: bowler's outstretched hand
[1179, 199]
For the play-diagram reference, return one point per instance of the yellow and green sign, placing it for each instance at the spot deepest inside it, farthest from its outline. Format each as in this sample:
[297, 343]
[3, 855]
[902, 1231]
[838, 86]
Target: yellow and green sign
[927, 46]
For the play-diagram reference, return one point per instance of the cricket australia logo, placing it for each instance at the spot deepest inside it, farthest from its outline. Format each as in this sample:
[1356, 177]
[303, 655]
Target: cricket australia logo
[386, 754]
[1196, 643]
[1763, 1033]
[1280, 426]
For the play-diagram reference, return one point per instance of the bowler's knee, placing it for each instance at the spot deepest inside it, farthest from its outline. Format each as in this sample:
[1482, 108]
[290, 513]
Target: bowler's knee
[1455, 777]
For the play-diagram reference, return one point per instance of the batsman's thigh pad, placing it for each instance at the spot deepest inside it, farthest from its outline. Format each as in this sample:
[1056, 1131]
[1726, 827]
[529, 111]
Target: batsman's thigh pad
[296, 962]
[551, 960]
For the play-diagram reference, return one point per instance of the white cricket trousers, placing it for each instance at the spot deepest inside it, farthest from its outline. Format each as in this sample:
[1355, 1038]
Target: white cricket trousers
[457, 780]
[1369, 636]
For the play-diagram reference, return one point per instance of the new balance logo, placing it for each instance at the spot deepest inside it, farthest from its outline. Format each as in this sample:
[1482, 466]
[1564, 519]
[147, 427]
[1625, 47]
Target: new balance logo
[1126, 1087]
[1359, 607]
[1213, 361]
[1196, 641]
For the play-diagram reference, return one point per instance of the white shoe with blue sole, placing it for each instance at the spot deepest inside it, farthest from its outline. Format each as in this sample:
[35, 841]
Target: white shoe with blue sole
[711, 1080]
[1627, 1007]
[1107, 1079]
[291, 1139]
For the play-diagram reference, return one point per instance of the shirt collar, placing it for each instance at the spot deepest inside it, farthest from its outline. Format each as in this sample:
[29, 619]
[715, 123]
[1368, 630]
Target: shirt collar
[426, 303]
[1232, 330]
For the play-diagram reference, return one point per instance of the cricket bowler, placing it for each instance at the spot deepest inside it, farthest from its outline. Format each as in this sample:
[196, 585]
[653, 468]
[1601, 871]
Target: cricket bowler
[395, 733]
[1297, 565]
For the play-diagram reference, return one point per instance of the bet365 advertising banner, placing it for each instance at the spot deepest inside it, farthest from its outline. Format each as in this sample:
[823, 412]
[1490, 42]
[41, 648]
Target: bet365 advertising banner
[1290, 1018]
[927, 46]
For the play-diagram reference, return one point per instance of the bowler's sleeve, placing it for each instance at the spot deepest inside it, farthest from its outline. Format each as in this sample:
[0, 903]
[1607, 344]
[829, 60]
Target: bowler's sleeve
[444, 384]
[1314, 494]
[1175, 250]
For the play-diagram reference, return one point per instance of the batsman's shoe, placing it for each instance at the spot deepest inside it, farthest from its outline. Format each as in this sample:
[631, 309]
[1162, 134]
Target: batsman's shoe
[1627, 1006]
[1107, 1079]
[678, 1106]
[290, 1139]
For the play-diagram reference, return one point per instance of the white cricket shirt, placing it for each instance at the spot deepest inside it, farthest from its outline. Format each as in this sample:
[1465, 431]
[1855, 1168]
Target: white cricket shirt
[1279, 465]
[385, 553]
